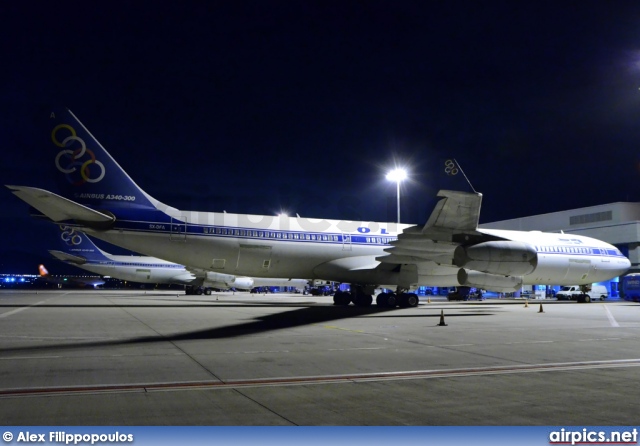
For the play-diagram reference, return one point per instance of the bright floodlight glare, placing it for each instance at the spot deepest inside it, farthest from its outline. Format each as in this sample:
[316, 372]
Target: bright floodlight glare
[397, 175]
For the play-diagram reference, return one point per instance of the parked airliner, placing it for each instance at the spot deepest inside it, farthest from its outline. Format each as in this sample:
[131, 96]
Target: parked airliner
[60, 281]
[78, 249]
[97, 196]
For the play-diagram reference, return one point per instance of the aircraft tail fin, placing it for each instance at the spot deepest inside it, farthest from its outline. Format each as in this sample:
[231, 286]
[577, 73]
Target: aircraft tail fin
[42, 271]
[86, 173]
[76, 247]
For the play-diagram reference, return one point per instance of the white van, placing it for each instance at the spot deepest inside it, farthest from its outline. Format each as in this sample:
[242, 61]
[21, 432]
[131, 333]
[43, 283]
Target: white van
[574, 292]
[597, 292]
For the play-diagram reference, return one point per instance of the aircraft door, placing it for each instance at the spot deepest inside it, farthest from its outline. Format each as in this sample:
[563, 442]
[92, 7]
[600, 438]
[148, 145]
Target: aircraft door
[253, 259]
[346, 241]
[580, 270]
[178, 231]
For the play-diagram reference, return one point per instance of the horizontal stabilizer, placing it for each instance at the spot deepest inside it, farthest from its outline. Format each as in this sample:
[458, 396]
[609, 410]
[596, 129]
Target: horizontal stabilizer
[68, 257]
[58, 208]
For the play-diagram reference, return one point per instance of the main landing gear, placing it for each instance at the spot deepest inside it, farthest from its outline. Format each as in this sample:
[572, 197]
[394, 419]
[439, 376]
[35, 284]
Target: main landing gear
[402, 300]
[361, 298]
[197, 290]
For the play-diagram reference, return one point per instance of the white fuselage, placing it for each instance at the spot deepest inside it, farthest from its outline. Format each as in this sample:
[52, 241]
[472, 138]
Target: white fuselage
[145, 269]
[141, 269]
[265, 246]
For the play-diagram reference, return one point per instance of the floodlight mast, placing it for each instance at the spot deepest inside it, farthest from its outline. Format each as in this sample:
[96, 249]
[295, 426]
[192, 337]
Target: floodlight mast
[397, 175]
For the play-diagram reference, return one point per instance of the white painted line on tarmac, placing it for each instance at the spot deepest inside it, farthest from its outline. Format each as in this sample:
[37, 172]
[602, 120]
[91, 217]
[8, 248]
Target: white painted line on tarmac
[18, 310]
[316, 380]
[612, 320]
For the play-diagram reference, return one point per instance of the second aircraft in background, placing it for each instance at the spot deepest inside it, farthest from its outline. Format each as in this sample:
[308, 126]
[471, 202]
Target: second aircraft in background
[78, 249]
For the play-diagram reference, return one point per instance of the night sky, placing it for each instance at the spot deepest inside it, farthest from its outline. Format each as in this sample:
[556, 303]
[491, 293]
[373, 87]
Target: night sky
[302, 106]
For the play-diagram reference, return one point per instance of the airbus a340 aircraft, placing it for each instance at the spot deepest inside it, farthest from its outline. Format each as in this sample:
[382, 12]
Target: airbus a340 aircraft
[449, 250]
[77, 249]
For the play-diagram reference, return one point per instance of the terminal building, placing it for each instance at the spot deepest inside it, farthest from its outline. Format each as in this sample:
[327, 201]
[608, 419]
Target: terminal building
[614, 223]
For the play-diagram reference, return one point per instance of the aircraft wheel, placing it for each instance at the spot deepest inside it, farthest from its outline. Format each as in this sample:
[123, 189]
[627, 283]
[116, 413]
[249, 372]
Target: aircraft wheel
[412, 300]
[386, 300]
[199, 291]
[207, 291]
[362, 300]
[342, 298]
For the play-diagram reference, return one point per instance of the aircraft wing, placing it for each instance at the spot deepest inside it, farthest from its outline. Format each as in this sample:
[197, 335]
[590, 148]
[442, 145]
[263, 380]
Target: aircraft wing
[58, 208]
[453, 221]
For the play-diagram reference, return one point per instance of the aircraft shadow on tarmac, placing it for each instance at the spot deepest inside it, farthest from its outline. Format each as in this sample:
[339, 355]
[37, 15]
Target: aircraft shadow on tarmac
[307, 315]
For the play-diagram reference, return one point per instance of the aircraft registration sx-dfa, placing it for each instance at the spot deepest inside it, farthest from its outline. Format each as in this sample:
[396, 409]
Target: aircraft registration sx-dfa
[100, 198]
[78, 249]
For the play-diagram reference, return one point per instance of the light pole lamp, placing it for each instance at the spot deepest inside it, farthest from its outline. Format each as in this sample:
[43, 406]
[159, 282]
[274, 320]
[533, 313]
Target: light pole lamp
[397, 175]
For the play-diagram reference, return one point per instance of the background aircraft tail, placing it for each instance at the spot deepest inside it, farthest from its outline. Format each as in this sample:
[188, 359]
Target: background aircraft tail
[86, 173]
[42, 271]
[76, 247]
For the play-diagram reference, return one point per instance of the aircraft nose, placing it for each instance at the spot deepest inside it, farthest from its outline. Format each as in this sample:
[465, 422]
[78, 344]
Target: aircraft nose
[613, 265]
[619, 266]
[626, 264]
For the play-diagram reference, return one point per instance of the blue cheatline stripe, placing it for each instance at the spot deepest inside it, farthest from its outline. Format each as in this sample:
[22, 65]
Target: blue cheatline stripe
[331, 238]
[260, 234]
[136, 264]
[578, 250]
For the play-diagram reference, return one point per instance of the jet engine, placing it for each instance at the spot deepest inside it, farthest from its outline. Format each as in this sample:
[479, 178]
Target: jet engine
[491, 282]
[498, 257]
[218, 280]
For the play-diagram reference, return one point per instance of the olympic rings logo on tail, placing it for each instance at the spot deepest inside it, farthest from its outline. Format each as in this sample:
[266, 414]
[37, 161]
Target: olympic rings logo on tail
[70, 236]
[75, 160]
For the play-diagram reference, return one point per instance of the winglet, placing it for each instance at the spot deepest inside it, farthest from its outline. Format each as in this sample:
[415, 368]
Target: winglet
[457, 211]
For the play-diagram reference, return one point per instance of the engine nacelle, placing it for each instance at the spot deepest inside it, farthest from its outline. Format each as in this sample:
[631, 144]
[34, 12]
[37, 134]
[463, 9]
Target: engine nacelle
[244, 283]
[487, 281]
[219, 280]
[498, 257]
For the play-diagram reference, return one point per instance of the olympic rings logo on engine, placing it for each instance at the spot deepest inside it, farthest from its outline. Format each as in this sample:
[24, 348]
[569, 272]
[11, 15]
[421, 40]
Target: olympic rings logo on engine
[70, 236]
[76, 157]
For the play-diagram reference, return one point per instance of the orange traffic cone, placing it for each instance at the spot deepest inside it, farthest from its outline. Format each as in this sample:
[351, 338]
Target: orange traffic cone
[526, 303]
[442, 324]
[540, 310]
